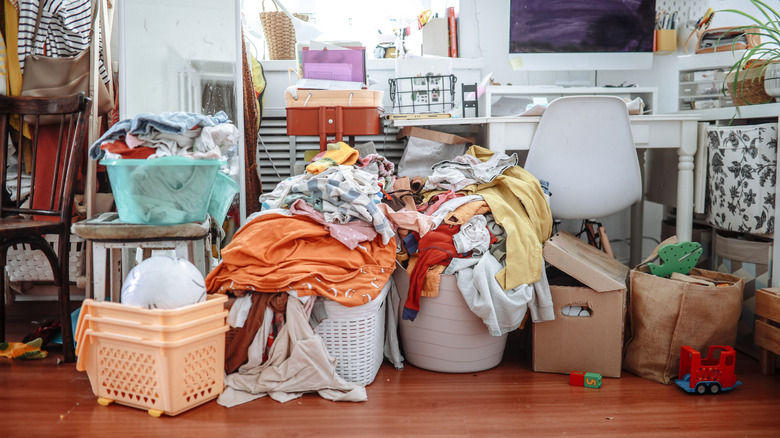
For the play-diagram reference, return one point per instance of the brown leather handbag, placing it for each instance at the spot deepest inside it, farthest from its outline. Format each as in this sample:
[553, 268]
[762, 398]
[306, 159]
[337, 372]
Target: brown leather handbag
[48, 76]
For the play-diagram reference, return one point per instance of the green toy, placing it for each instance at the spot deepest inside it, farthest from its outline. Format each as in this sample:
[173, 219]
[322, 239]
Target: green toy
[677, 257]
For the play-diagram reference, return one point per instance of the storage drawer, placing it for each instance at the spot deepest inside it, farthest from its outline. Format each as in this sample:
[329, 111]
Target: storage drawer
[337, 120]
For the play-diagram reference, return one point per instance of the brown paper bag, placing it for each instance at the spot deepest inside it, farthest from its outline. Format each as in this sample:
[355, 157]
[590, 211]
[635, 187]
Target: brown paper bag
[666, 314]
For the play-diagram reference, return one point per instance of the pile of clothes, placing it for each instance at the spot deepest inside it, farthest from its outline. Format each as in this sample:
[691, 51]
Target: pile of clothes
[172, 189]
[488, 214]
[324, 233]
[338, 231]
[151, 135]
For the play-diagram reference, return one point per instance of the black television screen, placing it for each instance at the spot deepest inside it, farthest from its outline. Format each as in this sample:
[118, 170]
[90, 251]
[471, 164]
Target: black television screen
[577, 26]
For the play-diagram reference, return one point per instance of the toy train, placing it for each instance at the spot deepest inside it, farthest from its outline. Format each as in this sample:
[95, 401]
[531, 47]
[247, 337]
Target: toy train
[713, 374]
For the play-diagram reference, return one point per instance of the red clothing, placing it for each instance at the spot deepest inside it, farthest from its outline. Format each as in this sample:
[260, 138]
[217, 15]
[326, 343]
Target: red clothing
[120, 147]
[436, 247]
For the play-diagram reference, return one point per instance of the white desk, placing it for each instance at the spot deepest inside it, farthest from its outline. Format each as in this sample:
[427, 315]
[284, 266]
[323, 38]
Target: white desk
[672, 131]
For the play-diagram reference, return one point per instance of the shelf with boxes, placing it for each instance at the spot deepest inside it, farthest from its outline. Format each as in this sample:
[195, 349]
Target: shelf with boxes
[701, 88]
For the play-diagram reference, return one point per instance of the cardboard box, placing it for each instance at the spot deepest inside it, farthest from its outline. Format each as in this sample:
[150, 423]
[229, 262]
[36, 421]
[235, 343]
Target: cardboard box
[582, 343]
[425, 147]
[428, 134]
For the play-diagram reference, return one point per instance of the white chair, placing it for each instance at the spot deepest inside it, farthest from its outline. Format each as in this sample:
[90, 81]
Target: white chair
[584, 149]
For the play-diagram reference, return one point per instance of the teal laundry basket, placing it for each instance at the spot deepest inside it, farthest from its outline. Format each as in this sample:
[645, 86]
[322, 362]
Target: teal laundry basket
[222, 197]
[162, 191]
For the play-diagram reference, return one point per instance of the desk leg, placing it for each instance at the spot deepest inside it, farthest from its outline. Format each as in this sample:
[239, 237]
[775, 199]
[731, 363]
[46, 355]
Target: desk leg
[638, 218]
[684, 197]
[688, 146]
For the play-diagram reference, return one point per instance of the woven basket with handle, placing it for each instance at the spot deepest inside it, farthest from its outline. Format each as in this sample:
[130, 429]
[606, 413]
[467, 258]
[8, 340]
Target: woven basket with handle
[279, 32]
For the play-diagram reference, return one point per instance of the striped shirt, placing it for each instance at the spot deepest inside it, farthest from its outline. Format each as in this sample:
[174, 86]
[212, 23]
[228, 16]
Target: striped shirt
[64, 29]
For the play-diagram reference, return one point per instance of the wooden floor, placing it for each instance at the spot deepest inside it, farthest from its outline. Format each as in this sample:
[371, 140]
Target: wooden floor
[44, 398]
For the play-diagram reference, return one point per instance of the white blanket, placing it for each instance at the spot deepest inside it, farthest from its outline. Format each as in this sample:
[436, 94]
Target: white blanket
[501, 311]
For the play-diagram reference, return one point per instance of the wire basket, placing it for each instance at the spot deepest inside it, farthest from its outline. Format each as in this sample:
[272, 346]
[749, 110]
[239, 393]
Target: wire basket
[423, 94]
[25, 264]
[355, 337]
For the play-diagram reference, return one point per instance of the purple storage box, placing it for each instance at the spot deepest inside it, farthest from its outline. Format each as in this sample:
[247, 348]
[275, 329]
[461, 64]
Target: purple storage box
[335, 65]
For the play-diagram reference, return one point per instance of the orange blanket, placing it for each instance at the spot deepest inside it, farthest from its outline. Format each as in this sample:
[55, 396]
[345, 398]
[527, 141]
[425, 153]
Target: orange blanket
[277, 253]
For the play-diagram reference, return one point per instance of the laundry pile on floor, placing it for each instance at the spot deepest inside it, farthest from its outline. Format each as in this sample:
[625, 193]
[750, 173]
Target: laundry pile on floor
[336, 232]
[488, 214]
[320, 234]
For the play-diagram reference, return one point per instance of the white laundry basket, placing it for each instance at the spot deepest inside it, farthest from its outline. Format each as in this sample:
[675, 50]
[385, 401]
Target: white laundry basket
[355, 337]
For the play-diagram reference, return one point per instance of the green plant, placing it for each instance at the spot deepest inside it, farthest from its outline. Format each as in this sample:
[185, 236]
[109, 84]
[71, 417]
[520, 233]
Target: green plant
[766, 25]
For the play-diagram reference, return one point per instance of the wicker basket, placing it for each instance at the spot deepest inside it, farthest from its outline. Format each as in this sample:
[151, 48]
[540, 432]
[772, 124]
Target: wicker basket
[749, 87]
[355, 337]
[25, 264]
[279, 32]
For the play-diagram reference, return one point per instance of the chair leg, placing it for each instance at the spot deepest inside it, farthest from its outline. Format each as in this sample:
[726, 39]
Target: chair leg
[2, 295]
[63, 292]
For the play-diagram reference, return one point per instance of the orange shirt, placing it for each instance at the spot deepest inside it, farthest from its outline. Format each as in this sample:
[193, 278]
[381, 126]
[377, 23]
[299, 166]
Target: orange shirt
[277, 253]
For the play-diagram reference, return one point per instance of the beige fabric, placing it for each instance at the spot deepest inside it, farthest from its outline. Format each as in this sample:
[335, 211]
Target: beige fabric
[297, 363]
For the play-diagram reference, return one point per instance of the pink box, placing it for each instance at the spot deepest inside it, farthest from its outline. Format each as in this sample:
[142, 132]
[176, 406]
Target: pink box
[340, 65]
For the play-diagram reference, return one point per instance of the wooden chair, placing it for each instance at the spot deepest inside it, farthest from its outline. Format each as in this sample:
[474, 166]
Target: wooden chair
[57, 135]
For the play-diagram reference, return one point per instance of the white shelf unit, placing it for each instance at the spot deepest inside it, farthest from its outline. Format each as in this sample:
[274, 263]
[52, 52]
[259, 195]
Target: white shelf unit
[695, 84]
[521, 92]
[729, 115]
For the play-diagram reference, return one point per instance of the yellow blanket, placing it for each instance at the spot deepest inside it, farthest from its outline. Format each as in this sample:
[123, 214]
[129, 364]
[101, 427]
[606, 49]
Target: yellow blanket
[518, 204]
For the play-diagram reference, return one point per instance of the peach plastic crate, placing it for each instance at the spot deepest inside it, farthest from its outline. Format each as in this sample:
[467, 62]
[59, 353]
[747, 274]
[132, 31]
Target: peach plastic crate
[215, 303]
[162, 360]
[161, 377]
[153, 332]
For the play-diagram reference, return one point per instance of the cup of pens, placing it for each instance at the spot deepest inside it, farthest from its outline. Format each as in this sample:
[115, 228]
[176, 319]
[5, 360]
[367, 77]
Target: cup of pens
[665, 32]
[666, 40]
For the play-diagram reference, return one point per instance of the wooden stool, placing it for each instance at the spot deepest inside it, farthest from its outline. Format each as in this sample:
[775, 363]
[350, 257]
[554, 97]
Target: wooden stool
[109, 236]
[767, 335]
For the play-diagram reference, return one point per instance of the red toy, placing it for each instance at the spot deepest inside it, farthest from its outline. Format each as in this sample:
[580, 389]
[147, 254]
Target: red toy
[712, 374]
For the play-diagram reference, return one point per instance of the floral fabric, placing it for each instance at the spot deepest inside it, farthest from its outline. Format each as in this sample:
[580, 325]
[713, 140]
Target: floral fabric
[741, 179]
